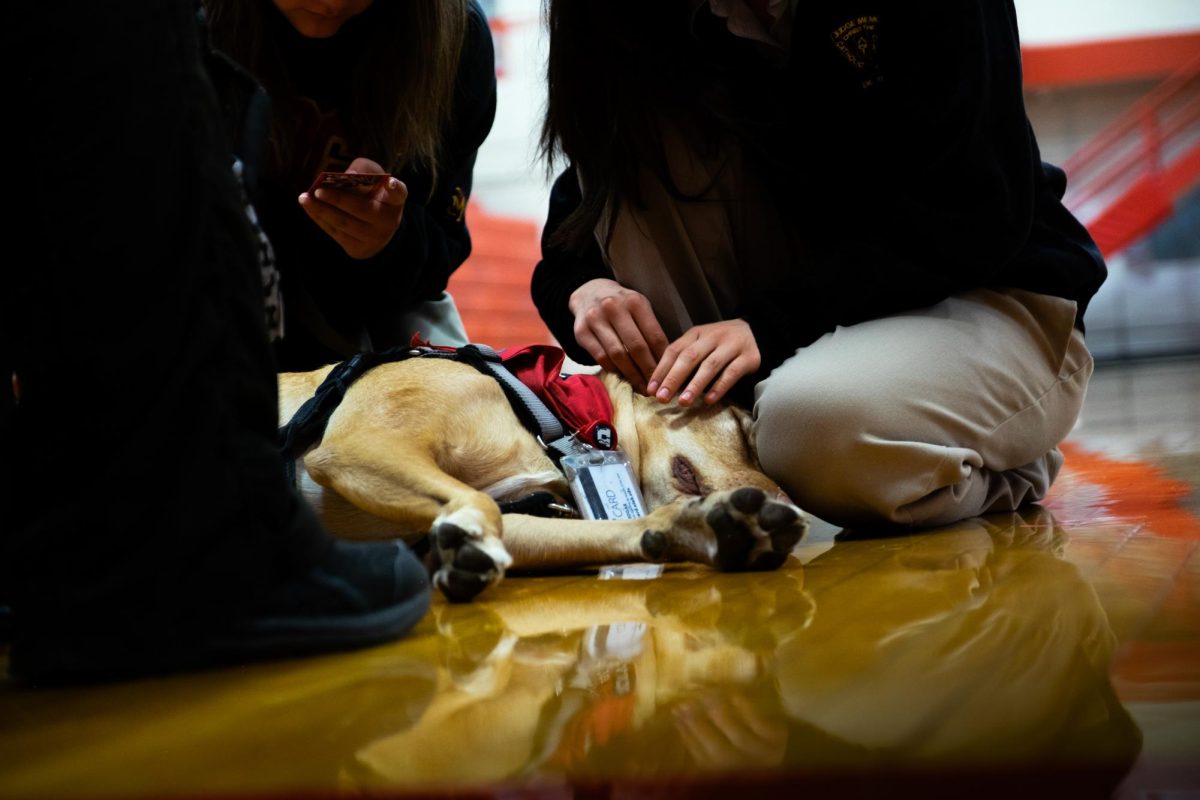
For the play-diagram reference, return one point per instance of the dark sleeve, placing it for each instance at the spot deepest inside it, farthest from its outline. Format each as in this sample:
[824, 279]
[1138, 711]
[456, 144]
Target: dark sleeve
[433, 239]
[561, 271]
[917, 187]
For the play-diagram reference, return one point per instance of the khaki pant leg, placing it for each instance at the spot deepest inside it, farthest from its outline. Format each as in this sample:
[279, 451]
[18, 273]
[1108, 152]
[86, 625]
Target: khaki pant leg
[930, 416]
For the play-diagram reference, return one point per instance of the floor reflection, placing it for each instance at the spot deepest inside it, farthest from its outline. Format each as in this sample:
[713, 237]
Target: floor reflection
[603, 676]
[973, 647]
[975, 650]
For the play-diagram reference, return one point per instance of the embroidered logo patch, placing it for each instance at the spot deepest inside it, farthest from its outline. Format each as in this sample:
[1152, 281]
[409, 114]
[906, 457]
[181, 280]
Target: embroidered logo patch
[458, 205]
[857, 40]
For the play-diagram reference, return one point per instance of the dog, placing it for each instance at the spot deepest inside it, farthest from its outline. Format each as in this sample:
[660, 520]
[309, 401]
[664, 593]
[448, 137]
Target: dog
[427, 447]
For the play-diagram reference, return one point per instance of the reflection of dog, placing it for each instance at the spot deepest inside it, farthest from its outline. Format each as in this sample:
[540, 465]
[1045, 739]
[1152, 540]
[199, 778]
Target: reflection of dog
[578, 676]
[430, 446]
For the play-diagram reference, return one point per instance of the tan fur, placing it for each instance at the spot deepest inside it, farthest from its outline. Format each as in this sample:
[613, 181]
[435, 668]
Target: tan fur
[414, 444]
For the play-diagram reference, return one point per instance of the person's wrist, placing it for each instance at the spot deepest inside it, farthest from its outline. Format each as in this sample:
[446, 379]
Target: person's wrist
[576, 298]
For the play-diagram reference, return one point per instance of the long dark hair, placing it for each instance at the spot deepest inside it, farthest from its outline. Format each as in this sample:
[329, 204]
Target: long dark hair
[404, 82]
[617, 70]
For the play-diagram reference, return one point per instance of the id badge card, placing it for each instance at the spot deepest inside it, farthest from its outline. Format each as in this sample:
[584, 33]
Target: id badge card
[603, 485]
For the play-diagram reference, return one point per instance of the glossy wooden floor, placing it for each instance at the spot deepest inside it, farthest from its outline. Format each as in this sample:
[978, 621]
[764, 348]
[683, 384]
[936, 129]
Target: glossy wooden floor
[1051, 653]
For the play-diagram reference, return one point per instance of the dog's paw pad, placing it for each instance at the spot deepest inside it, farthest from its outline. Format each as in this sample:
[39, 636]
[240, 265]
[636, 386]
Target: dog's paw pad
[468, 559]
[472, 559]
[459, 585]
[777, 515]
[785, 540]
[654, 544]
[748, 500]
[735, 540]
[785, 523]
[748, 531]
[449, 536]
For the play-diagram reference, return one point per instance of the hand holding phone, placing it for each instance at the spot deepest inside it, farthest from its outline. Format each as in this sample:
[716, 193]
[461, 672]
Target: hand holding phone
[361, 181]
[360, 208]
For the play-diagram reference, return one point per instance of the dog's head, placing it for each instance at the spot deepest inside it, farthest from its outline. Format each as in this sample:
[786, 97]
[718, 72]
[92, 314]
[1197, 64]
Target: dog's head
[680, 451]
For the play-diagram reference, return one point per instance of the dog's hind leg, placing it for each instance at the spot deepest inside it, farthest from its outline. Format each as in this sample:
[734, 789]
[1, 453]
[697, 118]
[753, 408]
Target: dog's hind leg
[464, 524]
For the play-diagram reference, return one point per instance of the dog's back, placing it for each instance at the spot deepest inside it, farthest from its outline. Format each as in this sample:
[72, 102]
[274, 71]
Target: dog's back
[431, 414]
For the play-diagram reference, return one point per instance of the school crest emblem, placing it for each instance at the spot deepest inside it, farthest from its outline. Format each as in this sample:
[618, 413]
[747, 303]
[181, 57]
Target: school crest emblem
[857, 39]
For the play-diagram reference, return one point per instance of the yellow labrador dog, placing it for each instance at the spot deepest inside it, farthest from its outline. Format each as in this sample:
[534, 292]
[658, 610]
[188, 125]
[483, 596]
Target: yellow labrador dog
[426, 447]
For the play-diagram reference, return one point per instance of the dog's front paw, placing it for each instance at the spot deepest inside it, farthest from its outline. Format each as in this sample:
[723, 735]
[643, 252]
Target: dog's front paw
[752, 531]
[467, 558]
[733, 531]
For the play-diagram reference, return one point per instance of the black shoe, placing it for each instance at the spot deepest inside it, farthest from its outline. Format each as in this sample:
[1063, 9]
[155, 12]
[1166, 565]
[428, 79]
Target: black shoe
[357, 594]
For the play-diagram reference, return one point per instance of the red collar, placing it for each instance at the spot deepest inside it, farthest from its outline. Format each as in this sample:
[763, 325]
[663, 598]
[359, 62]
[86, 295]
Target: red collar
[580, 401]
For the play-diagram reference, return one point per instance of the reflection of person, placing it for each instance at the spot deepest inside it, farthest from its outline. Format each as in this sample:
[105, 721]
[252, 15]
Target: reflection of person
[151, 526]
[407, 88]
[838, 208]
[973, 648]
[977, 644]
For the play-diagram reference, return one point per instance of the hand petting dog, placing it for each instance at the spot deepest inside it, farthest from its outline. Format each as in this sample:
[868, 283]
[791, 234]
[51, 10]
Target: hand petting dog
[618, 328]
[716, 356]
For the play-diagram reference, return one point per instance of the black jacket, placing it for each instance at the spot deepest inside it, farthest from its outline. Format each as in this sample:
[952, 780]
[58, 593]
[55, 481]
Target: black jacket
[323, 288]
[899, 149]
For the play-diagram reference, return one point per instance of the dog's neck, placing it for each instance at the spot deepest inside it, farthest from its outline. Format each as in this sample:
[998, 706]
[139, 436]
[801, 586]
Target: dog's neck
[624, 417]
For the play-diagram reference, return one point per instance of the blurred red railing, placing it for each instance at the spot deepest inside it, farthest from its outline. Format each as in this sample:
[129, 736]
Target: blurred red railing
[491, 289]
[1126, 180]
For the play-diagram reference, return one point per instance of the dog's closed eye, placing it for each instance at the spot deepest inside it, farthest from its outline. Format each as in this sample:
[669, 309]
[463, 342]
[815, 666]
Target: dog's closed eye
[687, 480]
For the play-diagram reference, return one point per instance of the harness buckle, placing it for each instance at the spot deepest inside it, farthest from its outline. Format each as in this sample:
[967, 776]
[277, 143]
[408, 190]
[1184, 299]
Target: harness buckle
[571, 438]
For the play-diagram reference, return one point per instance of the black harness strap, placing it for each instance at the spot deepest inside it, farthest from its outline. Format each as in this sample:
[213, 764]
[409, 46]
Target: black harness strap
[307, 425]
[532, 412]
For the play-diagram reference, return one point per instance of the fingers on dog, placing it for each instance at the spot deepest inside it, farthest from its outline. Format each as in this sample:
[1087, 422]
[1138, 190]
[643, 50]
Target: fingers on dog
[597, 334]
[737, 369]
[678, 362]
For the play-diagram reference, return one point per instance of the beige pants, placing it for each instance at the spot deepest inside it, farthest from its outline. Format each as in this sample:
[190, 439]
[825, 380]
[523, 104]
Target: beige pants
[927, 417]
[922, 418]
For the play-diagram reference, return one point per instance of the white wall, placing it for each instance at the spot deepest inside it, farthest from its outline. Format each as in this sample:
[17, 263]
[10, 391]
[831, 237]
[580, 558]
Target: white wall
[1069, 21]
[508, 178]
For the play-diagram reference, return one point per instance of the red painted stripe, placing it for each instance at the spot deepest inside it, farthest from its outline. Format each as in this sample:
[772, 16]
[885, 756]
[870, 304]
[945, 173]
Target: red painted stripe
[1134, 492]
[1108, 61]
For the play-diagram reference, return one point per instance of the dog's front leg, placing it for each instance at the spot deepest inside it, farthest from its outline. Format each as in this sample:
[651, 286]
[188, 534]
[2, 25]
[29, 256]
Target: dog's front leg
[538, 543]
[734, 530]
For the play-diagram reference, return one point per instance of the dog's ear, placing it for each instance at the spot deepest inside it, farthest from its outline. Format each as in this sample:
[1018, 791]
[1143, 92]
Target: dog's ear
[745, 422]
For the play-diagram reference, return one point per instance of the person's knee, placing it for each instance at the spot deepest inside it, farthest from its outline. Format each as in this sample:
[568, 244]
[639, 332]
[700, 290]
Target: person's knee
[808, 440]
[851, 457]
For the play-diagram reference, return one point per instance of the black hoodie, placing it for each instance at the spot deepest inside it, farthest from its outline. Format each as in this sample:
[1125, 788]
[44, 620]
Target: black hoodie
[899, 148]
